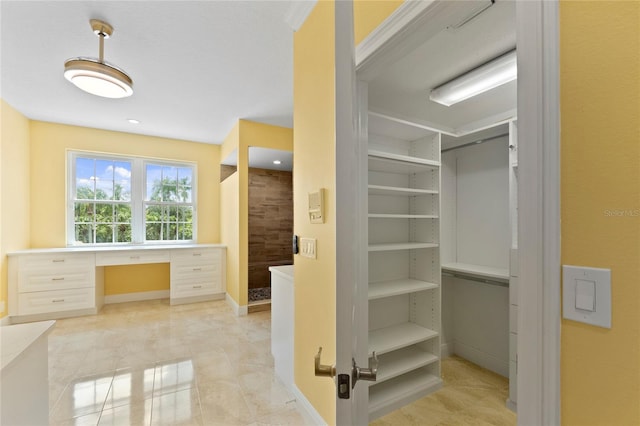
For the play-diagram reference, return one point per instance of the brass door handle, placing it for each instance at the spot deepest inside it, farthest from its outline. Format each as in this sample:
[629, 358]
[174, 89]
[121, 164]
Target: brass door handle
[323, 370]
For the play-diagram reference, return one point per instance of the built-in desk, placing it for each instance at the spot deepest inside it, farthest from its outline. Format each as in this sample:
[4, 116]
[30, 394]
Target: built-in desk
[61, 282]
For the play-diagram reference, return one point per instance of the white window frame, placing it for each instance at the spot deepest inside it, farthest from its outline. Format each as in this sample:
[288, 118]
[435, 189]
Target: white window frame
[138, 190]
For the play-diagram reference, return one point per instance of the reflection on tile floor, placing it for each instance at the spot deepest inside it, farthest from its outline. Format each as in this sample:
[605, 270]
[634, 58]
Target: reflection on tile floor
[470, 396]
[148, 363]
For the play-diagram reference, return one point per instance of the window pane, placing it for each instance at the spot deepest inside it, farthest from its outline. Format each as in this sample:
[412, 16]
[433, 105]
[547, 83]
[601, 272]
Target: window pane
[185, 175]
[83, 212]
[84, 233]
[153, 231]
[172, 233]
[185, 214]
[104, 213]
[104, 233]
[123, 233]
[154, 183]
[123, 213]
[122, 181]
[104, 180]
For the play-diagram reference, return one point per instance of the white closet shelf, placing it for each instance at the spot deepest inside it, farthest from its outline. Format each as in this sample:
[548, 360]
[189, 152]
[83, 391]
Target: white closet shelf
[401, 216]
[402, 361]
[401, 246]
[381, 161]
[398, 336]
[383, 289]
[394, 393]
[399, 191]
[477, 271]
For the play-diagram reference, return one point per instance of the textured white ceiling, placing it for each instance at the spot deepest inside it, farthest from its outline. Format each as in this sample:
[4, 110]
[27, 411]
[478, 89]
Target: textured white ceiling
[402, 89]
[197, 66]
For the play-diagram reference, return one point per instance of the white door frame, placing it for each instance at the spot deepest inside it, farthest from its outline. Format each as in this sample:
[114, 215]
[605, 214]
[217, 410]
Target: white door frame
[539, 179]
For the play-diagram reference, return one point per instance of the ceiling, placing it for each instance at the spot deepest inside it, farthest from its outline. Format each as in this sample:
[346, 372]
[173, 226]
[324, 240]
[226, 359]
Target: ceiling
[197, 66]
[402, 88]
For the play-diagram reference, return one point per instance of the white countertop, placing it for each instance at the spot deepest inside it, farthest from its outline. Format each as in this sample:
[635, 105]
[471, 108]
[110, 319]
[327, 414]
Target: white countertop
[284, 270]
[104, 248]
[16, 339]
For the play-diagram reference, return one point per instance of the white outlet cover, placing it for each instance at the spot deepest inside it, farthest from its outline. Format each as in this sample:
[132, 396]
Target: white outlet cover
[577, 277]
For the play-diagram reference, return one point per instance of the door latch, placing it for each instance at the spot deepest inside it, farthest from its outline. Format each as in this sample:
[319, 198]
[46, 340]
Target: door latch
[323, 370]
[369, 374]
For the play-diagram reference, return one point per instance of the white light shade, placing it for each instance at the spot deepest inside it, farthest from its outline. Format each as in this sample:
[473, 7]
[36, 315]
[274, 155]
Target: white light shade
[98, 78]
[486, 77]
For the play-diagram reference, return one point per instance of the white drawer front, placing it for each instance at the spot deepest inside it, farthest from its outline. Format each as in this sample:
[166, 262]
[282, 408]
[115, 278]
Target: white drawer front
[195, 256]
[132, 257]
[40, 280]
[57, 262]
[191, 289]
[55, 301]
[194, 273]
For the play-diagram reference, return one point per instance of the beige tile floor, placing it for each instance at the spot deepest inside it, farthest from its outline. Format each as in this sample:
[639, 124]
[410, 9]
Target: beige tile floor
[470, 396]
[148, 363]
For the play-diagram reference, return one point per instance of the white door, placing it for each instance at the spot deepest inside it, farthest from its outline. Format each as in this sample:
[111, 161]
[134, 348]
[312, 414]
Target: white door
[351, 229]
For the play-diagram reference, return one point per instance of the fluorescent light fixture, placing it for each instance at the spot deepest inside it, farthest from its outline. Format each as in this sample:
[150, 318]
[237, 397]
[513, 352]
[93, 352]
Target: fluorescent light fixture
[96, 76]
[277, 162]
[494, 73]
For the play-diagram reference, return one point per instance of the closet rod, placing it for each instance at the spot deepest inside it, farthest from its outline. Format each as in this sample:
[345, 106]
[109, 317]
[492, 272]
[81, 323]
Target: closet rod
[474, 278]
[476, 142]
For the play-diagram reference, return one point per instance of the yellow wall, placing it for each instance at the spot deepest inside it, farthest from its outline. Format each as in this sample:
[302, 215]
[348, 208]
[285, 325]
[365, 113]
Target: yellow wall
[49, 145]
[600, 112]
[368, 14]
[14, 185]
[235, 224]
[313, 168]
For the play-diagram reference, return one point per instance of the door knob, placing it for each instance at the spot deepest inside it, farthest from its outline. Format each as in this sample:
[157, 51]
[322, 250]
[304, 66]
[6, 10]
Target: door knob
[323, 370]
[369, 374]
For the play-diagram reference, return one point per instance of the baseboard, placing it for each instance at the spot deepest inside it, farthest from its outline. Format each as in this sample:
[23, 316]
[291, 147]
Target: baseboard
[446, 350]
[5, 321]
[136, 297]
[308, 411]
[196, 299]
[482, 359]
[512, 405]
[237, 309]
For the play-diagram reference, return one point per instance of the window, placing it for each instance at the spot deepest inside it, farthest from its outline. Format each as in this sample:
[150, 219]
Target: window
[115, 199]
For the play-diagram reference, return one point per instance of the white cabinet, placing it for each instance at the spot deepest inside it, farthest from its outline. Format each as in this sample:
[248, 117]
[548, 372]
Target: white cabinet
[404, 261]
[52, 282]
[63, 282]
[282, 321]
[196, 273]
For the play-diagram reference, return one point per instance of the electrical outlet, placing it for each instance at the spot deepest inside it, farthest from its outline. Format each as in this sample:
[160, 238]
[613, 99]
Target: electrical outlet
[308, 247]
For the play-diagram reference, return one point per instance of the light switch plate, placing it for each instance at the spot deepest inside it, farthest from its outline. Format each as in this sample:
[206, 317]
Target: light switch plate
[586, 295]
[308, 247]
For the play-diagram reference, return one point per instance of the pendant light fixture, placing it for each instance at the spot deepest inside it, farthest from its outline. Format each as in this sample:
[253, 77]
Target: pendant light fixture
[494, 73]
[96, 76]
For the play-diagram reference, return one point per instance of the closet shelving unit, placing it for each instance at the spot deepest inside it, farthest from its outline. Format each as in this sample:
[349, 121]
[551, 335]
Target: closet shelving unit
[404, 261]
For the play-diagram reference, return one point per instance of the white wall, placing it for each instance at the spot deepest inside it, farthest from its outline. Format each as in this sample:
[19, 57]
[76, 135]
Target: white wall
[475, 230]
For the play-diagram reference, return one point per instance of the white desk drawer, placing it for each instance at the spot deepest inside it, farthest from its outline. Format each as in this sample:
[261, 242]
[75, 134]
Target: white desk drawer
[195, 256]
[56, 262]
[40, 280]
[194, 272]
[55, 301]
[132, 257]
[193, 288]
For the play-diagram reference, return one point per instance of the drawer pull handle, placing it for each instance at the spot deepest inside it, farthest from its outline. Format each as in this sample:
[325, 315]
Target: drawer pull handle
[57, 300]
[134, 257]
[57, 279]
[197, 286]
[197, 254]
[197, 269]
[58, 260]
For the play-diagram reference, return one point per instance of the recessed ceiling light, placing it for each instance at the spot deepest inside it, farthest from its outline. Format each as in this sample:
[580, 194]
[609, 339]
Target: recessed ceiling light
[96, 76]
[133, 121]
[277, 162]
